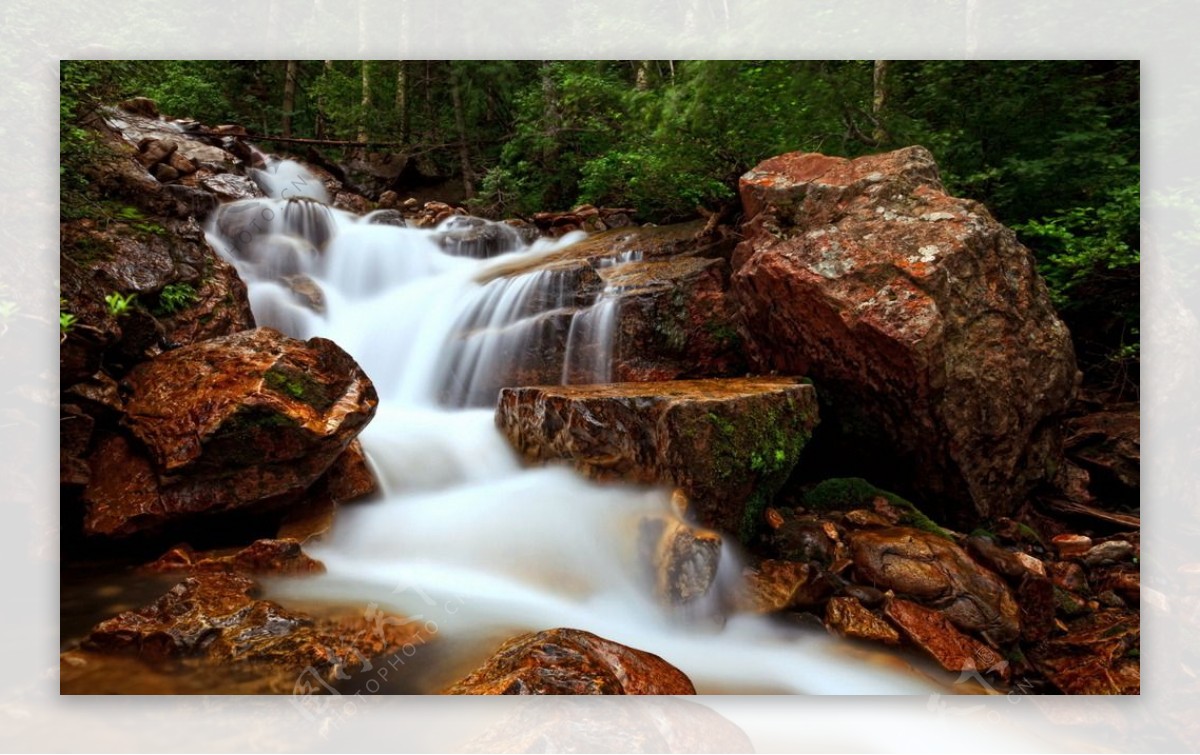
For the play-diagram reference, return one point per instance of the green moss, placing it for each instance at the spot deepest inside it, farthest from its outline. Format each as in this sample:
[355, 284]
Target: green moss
[299, 386]
[843, 493]
[757, 453]
[725, 334]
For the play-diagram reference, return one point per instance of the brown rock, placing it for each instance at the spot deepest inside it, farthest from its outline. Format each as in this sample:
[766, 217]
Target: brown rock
[1111, 552]
[211, 621]
[572, 662]
[260, 557]
[182, 165]
[749, 432]
[310, 518]
[143, 106]
[1071, 545]
[922, 319]
[221, 308]
[1107, 444]
[938, 573]
[307, 291]
[1035, 595]
[934, 633]
[349, 478]
[164, 172]
[75, 436]
[154, 151]
[998, 559]
[780, 585]
[240, 421]
[1098, 655]
[682, 560]
[1069, 576]
[849, 618]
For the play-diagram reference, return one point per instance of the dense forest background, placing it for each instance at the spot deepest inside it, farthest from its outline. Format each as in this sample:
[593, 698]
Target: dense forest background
[1050, 147]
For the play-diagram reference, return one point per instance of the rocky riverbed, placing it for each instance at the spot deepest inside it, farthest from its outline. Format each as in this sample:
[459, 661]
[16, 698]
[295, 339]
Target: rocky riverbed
[858, 398]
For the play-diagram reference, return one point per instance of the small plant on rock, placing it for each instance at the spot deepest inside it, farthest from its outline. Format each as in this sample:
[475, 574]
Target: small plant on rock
[118, 305]
[175, 297]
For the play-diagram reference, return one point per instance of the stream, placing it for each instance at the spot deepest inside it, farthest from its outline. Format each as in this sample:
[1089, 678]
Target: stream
[461, 535]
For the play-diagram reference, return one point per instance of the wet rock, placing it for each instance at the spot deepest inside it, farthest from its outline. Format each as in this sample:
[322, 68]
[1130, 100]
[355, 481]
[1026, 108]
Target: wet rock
[154, 151]
[682, 560]
[349, 477]
[211, 623]
[143, 106]
[868, 596]
[307, 291]
[1107, 444]
[220, 307]
[1069, 576]
[311, 518]
[934, 633]
[229, 187]
[246, 420]
[938, 573]
[1111, 552]
[843, 493]
[75, 436]
[1098, 656]
[1127, 584]
[164, 172]
[799, 540]
[1069, 604]
[387, 217]
[922, 319]
[260, 557]
[849, 618]
[477, 237]
[674, 318]
[775, 586]
[749, 432]
[1035, 595]
[1071, 545]
[181, 164]
[572, 662]
[996, 558]
[81, 350]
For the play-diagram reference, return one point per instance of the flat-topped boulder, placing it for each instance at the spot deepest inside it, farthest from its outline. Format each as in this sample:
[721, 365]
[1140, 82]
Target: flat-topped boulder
[728, 443]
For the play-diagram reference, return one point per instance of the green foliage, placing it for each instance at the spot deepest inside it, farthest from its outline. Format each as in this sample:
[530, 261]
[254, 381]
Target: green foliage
[66, 322]
[118, 304]
[845, 493]
[1050, 147]
[174, 297]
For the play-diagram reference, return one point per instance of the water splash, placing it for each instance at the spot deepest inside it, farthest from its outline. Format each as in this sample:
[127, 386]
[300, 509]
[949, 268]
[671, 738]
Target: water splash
[460, 532]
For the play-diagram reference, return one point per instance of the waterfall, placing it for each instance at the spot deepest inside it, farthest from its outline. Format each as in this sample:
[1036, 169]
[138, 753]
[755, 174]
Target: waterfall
[460, 533]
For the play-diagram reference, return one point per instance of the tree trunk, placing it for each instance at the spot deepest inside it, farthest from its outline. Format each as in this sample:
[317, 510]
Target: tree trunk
[402, 99]
[363, 133]
[289, 96]
[460, 123]
[642, 78]
[321, 124]
[550, 115]
[879, 101]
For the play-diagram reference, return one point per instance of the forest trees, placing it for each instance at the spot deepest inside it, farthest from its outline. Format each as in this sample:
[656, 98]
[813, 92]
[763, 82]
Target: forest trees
[1050, 147]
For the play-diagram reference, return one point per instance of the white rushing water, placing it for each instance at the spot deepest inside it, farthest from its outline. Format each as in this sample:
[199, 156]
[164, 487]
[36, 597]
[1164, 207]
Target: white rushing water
[460, 533]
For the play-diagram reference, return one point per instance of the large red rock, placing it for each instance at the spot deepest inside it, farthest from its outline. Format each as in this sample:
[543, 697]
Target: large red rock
[729, 444]
[247, 420]
[572, 662]
[921, 319]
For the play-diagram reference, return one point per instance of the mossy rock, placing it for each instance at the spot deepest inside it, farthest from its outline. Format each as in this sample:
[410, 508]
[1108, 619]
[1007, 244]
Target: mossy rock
[846, 493]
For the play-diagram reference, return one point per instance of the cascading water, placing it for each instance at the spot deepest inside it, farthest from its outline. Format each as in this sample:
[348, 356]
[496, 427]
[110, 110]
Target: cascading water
[460, 533]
